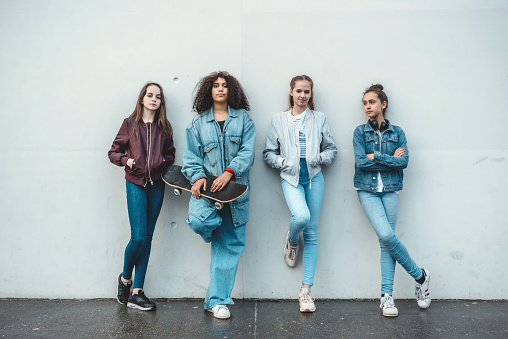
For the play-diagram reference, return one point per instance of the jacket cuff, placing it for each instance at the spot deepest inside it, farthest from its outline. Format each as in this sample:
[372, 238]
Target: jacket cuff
[123, 160]
[198, 179]
[280, 161]
[230, 171]
[377, 156]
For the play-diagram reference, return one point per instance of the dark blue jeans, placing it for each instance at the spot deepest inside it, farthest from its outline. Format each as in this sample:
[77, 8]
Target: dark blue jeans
[144, 205]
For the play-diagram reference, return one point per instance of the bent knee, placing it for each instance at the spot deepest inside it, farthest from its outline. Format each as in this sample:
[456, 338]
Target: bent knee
[301, 219]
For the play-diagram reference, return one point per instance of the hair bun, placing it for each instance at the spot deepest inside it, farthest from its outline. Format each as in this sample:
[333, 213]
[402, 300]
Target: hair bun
[378, 87]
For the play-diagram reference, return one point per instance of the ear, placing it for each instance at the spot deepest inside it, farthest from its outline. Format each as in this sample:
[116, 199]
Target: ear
[383, 106]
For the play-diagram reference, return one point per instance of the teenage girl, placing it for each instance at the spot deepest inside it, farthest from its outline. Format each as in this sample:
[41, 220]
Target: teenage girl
[380, 156]
[144, 147]
[298, 144]
[219, 141]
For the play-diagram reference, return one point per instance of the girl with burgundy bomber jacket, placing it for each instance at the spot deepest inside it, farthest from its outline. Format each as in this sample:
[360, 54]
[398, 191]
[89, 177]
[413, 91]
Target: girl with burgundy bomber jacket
[144, 146]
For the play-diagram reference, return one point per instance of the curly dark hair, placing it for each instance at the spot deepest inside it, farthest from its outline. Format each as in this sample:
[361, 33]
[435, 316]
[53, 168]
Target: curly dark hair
[236, 96]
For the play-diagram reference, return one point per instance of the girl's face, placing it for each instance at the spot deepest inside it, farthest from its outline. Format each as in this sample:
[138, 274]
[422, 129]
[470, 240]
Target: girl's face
[373, 106]
[220, 90]
[301, 93]
[152, 98]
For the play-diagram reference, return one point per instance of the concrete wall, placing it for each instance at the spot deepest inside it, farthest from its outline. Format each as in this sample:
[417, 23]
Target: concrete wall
[70, 72]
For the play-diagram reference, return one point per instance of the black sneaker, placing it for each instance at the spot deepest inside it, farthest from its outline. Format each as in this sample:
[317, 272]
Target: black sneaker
[139, 301]
[124, 291]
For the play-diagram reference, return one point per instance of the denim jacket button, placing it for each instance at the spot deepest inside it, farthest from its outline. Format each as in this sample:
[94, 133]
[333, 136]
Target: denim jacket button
[373, 178]
[376, 142]
[372, 188]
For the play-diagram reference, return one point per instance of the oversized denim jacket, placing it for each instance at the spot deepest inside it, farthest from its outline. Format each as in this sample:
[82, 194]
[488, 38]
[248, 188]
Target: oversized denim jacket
[366, 141]
[208, 150]
[283, 145]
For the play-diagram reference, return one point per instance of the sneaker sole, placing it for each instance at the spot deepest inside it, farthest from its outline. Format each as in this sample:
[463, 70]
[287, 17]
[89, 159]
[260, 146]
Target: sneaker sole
[308, 310]
[218, 316]
[284, 254]
[137, 307]
[390, 315]
[125, 304]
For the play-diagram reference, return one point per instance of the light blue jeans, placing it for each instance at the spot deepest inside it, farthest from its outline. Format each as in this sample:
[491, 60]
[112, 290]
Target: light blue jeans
[228, 243]
[304, 202]
[144, 205]
[381, 209]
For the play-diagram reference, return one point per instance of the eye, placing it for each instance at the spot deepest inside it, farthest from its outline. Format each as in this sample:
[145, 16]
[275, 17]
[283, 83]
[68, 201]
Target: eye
[158, 97]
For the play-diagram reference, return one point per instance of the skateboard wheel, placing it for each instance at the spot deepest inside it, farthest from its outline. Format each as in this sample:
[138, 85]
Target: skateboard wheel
[177, 191]
[218, 205]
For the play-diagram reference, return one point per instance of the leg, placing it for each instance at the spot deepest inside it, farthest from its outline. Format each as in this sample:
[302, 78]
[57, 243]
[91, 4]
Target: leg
[136, 205]
[206, 227]
[155, 197]
[314, 197]
[390, 204]
[228, 243]
[300, 214]
[374, 208]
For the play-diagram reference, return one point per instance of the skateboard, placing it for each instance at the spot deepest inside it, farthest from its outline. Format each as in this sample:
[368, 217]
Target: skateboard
[174, 177]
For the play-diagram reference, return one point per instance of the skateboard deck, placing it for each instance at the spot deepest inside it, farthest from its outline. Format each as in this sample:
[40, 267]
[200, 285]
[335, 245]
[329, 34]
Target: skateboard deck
[174, 177]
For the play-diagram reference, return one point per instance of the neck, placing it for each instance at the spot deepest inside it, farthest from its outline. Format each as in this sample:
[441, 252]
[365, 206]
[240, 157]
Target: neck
[148, 115]
[220, 107]
[296, 110]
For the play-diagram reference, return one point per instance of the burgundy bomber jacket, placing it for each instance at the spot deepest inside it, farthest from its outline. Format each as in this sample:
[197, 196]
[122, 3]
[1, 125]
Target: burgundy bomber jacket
[151, 150]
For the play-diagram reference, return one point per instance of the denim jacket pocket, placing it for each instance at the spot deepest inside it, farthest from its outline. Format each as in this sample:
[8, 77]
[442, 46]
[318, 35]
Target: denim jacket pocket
[392, 144]
[369, 143]
[210, 153]
[201, 208]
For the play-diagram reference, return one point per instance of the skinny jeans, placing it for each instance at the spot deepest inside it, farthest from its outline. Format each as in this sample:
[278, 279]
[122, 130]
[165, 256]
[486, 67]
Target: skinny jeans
[304, 202]
[381, 210]
[144, 205]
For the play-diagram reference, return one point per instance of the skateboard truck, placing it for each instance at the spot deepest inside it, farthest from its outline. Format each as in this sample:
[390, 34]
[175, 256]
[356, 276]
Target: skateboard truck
[218, 205]
[177, 191]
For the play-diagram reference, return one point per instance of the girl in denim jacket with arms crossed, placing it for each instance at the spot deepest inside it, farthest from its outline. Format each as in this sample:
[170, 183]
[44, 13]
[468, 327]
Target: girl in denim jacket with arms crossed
[298, 143]
[380, 156]
[219, 141]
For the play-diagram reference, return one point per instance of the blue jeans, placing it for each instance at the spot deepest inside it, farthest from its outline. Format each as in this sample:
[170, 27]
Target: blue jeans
[304, 202]
[144, 205]
[381, 209]
[228, 243]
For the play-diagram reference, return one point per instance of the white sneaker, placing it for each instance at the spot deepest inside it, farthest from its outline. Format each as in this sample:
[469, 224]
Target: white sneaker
[388, 306]
[220, 311]
[290, 253]
[306, 301]
[422, 291]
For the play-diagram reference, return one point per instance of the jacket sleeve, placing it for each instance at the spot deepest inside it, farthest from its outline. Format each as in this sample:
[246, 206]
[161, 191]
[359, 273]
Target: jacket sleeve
[117, 152]
[168, 151]
[361, 159]
[271, 153]
[328, 146]
[392, 162]
[193, 155]
[244, 159]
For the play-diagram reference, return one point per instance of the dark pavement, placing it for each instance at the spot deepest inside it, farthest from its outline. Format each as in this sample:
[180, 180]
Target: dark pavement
[32, 318]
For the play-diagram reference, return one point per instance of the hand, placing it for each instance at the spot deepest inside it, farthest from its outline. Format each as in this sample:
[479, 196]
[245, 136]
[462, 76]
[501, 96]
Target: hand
[370, 156]
[130, 162]
[399, 152]
[219, 183]
[195, 189]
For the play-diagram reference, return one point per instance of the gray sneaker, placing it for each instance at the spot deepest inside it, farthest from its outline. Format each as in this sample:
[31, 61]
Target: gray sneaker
[290, 253]
[306, 301]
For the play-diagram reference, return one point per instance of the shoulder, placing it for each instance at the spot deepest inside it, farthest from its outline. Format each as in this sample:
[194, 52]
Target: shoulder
[398, 129]
[281, 116]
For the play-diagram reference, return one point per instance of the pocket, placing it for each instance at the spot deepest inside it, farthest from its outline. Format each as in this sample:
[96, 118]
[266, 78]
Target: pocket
[392, 144]
[369, 143]
[234, 145]
[210, 155]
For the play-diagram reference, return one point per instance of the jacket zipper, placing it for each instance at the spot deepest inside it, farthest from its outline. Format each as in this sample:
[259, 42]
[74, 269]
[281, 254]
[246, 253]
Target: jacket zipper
[149, 147]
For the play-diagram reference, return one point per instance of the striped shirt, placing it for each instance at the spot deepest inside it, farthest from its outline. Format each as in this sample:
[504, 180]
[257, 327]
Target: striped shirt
[298, 121]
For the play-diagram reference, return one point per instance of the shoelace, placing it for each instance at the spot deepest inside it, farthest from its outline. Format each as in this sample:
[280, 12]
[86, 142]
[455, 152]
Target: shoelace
[388, 301]
[305, 296]
[419, 292]
[292, 252]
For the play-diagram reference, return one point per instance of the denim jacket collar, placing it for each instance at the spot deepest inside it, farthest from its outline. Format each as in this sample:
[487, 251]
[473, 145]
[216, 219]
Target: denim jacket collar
[233, 113]
[368, 127]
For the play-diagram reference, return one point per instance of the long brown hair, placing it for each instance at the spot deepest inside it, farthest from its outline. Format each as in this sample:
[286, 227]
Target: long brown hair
[292, 86]
[160, 114]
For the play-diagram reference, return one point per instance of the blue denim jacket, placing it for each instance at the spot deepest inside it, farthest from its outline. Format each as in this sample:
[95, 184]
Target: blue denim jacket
[208, 150]
[366, 141]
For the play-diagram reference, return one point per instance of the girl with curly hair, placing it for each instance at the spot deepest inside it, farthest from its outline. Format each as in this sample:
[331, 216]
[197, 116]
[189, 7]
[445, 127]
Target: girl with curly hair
[298, 144]
[219, 141]
[381, 154]
[144, 147]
